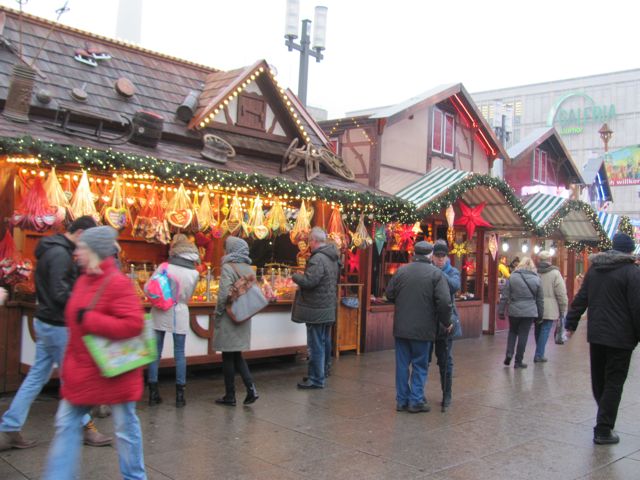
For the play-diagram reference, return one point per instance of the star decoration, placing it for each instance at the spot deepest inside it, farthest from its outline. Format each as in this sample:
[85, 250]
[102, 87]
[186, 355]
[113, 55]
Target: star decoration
[471, 218]
[380, 237]
[353, 261]
[406, 235]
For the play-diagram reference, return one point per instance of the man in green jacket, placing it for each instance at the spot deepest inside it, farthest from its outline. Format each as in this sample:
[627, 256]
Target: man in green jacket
[315, 305]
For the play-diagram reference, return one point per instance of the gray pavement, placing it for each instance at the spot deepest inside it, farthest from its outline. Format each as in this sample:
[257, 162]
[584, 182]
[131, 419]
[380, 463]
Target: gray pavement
[503, 424]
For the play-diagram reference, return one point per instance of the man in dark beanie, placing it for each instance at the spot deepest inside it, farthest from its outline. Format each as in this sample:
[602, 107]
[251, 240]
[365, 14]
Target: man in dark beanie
[421, 295]
[56, 273]
[610, 289]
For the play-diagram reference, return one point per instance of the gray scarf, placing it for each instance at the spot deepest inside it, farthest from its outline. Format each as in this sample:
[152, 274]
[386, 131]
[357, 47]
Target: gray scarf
[237, 251]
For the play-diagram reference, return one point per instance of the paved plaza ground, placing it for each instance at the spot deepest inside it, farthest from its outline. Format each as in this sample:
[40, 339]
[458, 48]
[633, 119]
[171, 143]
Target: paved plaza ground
[504, 424]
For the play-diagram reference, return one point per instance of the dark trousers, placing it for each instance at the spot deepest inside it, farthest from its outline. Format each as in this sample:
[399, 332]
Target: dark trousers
[319, 346]
[609, 368]
[233, 362]
[518, 330]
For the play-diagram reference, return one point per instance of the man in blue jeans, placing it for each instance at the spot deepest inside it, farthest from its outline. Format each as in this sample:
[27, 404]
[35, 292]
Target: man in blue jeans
[315, 305]
[56, 272]
[421, 296]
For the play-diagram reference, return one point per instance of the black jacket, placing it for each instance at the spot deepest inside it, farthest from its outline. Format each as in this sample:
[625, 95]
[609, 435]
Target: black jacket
[611, 291]
[421, 295]
[56, 272]
[316, 298]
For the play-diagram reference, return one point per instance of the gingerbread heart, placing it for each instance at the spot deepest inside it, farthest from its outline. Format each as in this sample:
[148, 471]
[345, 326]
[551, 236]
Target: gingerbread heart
[260, 232]
[116, 217]
[180, 218]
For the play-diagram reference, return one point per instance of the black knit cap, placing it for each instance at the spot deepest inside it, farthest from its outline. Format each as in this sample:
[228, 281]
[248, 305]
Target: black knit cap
[623, 243]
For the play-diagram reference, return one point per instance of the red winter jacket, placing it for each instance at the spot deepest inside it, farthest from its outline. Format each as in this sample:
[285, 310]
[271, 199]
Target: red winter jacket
[117, 315]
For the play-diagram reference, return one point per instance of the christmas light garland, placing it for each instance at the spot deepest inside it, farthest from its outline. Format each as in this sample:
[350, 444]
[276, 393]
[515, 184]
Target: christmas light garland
[553, 225]
[375, 207]
[625, 226]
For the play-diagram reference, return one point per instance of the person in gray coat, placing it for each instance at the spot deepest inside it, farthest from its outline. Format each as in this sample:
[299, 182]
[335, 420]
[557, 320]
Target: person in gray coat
[525, 298]
[555, 302]
[183, 257]
[315, 305]
[229, 337]
[421, 296]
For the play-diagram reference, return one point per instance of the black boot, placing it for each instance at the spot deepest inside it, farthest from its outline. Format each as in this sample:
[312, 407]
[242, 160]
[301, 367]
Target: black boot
[252, 395]
[229, 398]
[446, 397]
[180, 401]
[154, 394]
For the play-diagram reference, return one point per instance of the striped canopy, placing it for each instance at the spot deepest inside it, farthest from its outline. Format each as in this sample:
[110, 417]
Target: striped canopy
[609, 223]
[637, 250]
[542, 207]
[574, 226]
[434, 183]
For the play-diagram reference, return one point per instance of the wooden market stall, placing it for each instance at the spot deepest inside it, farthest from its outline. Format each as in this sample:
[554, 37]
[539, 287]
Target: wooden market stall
[155, 145]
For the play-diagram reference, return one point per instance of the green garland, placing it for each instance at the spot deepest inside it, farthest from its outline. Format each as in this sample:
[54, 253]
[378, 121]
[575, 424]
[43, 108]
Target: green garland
[625, 226]
[376, 207]
[553, 225]
[476, 180]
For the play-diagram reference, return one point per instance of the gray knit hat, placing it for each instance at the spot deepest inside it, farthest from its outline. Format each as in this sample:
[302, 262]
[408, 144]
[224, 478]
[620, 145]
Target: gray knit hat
[101, 241]
[181, 246]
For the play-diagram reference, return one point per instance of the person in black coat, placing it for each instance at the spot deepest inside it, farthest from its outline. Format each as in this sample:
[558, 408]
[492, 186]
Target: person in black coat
[610, 291]
[422, 300]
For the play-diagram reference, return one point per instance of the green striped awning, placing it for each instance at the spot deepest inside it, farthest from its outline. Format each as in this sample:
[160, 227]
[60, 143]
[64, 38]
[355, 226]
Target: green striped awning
[610, 222]
[433, 184]
[542, 207]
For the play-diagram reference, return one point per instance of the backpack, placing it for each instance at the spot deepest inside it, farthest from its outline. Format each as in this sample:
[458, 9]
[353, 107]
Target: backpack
[162, 288]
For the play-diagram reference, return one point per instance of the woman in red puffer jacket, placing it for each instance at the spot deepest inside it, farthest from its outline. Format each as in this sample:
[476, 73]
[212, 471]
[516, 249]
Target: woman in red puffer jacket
[104, 303]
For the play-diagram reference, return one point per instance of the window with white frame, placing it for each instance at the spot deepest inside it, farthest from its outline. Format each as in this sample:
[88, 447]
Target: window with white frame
[540, 166]
[443, 132]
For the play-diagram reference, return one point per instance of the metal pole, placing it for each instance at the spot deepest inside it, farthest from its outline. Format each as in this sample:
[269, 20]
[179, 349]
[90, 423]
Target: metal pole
[305, 42]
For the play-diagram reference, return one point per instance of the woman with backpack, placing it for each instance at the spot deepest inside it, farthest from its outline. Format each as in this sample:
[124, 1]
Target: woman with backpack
[525, 297]
[229, 337]
[182, 273]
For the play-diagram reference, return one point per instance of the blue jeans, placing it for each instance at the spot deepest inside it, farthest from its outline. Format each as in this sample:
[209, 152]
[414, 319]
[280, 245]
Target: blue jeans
[63, 460]
[319, 346]
[51, 342]
[414, 354]
[542, 335]
[178, 356]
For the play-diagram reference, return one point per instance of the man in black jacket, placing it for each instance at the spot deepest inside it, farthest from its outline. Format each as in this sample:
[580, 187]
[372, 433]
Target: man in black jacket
[421, 295]
[56, 272]
[610, 291]
[315, 305]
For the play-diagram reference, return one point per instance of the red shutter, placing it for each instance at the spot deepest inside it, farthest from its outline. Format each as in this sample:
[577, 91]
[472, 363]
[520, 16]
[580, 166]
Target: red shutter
[436, 131]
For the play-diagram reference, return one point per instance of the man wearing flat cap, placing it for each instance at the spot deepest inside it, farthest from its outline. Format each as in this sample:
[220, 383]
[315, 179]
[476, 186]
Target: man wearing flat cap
[421, 296]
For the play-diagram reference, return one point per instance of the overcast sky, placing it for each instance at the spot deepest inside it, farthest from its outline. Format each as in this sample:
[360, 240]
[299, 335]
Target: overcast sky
[383, 52]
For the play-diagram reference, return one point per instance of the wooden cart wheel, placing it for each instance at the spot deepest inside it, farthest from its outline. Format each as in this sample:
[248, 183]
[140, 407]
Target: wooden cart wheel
[336, 164]
[222, 143]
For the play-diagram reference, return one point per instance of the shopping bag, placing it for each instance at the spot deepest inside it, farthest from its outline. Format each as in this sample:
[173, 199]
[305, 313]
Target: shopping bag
[115, 357]
[558, 335]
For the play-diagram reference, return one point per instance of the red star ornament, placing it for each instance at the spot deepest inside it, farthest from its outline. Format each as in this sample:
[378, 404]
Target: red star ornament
[471, 218]
[353, 261]
[406, 236]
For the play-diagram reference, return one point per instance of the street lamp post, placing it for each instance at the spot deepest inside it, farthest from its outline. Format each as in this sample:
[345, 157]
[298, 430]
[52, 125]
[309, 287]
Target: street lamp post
[305, 47]
[605, 134]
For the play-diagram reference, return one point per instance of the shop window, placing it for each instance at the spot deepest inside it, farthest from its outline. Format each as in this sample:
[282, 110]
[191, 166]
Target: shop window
[251, 112]
[540, 166]
[443, 132]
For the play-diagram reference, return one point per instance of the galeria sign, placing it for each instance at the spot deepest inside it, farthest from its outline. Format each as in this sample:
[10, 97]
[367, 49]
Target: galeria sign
[573, 111]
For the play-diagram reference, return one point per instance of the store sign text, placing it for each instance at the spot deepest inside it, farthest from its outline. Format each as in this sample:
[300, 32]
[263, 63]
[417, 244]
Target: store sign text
[574, 111]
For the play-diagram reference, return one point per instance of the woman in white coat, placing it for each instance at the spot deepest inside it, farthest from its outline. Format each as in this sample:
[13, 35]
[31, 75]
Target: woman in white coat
[183, 257]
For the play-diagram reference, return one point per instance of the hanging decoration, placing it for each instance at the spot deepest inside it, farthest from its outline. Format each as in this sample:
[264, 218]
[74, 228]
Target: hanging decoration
[34, 212]
[216, 228]
[417, 228]
[353, 261]
[492, 245]
[179, 212]
[450, 215]
[380, 237]
[256, 220]
[56, 196]
[459, 249]
[471, 217]
[13, 269]
[82, 202]
[469, 266]
[233, 222]
[361, 238]
[338, 231]
[150, 223]
[405, 237]
[204, 213]
[117, 215]
[277, 220]
[302, 227]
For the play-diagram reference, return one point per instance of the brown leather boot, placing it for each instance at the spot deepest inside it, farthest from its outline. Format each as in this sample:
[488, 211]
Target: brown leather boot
[93, 437]
[15, 440]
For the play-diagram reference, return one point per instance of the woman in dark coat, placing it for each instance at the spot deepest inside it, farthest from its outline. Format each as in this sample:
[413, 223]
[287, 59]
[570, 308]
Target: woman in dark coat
[103, 302]
[525, 297]
[229, 337]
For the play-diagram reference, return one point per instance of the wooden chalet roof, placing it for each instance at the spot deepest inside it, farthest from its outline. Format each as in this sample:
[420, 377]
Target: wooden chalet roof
[550, 137]
[161, 82]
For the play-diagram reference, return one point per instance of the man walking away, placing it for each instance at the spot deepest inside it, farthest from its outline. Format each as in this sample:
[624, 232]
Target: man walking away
[56, 273]
[421, 296]
[315, 305]
[610, 291]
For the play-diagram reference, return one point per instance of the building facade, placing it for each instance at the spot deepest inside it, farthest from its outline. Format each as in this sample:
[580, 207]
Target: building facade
[578, 107]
